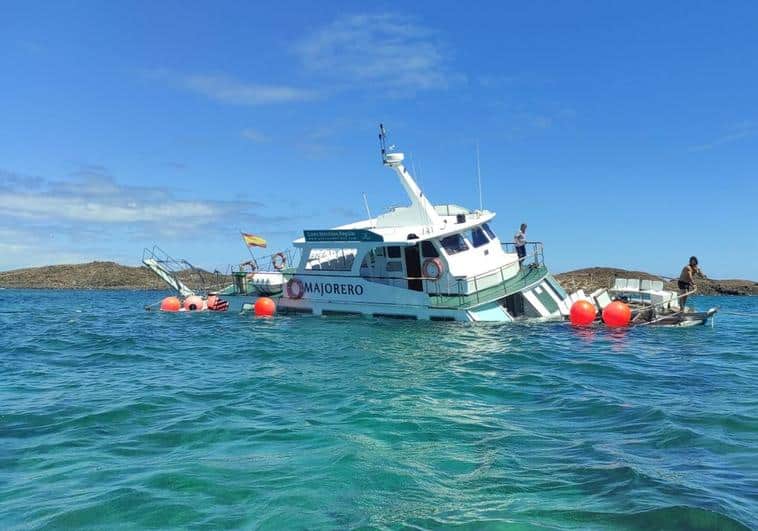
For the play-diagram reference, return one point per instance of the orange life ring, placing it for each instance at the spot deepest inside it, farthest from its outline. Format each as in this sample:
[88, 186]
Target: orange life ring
[279, 261]
[433, 268]
[295, 288]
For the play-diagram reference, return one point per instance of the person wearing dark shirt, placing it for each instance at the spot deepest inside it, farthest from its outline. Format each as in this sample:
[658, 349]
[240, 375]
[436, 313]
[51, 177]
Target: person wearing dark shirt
[686, 281]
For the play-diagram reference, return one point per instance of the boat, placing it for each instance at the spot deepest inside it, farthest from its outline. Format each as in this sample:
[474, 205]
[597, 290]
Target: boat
[419, 261]
[650, 303]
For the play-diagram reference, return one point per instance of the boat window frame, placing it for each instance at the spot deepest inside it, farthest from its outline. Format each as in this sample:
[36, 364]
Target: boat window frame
[341, 254]
[429, 243]
[472, 240]
[453, 251]
[488, 231]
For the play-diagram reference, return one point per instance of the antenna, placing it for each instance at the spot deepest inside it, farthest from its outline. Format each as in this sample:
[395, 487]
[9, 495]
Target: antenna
[479, 176]
[365, 203]
[383, 142]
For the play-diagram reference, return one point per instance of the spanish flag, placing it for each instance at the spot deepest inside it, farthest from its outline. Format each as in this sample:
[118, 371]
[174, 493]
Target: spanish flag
[253, 241]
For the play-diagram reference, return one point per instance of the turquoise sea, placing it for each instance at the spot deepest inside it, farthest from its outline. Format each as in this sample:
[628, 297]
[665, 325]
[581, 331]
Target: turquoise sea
[113, 417]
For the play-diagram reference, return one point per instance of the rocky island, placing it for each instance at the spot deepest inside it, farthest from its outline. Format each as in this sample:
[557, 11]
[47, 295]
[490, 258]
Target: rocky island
[110, 275]
[92, 275]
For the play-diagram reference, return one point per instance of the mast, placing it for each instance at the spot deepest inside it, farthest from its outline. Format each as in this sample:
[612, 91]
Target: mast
[394, 160]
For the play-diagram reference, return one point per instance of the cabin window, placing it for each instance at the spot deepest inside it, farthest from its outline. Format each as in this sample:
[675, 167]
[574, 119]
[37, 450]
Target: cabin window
[488, 230]
[331, 259]
[428, 250]
[454, 244]
[393, 266]
[477, 237]
[393, 252]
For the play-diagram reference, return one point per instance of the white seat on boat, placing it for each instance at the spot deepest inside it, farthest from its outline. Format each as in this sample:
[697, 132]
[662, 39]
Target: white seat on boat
[578, 295]
[602, 300]
[633, 284]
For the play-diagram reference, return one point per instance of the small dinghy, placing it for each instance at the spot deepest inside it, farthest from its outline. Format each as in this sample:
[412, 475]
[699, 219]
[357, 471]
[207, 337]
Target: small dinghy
[681, 318]
[649, 302]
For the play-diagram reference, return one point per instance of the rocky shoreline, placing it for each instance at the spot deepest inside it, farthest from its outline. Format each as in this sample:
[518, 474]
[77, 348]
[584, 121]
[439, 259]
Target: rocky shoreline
[593, 278]
[110, 275]
[92, 275]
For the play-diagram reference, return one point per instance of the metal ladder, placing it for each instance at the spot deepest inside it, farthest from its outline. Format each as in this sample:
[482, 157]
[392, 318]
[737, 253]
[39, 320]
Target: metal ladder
[167, 268]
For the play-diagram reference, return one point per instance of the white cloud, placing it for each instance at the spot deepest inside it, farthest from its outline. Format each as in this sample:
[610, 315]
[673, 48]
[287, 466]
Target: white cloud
[738, 132]
[253, 135]
[385, 51]
[226, 89]
[95, 197]
[101, 211]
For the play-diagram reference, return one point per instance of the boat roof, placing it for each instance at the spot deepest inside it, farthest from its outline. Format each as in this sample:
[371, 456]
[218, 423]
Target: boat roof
[395, 227]
[404, 225]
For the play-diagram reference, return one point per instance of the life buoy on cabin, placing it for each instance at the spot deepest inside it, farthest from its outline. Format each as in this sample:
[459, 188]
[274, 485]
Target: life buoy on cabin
[433, 268]
[279, 261]
[295, 288]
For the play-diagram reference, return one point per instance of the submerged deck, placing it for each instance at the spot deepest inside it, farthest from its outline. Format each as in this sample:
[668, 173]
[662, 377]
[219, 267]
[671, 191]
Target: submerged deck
[528, 276]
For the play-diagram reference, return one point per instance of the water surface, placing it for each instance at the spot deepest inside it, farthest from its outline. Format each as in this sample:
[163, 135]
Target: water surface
[110, 415]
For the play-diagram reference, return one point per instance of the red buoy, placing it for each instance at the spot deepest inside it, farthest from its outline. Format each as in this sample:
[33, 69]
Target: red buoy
[265, 307]
[617, 314]
[170, 304]
[582, 313]
[193, 303]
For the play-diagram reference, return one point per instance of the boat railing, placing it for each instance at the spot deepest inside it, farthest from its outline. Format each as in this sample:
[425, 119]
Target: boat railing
[534, 250]
[493, 284]
[460, 290]
[180, 274]
[274, 262]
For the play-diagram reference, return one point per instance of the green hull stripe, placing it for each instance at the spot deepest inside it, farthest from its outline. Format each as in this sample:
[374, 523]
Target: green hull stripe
[525, 278]
[556, 287]
[544, 297]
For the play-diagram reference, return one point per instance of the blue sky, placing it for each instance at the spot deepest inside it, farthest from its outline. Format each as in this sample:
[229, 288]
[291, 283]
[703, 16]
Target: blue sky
[624, 134]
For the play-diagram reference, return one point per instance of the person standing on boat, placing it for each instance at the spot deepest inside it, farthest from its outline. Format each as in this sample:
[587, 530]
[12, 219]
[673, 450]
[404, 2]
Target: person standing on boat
[520, 240]
[686, 281]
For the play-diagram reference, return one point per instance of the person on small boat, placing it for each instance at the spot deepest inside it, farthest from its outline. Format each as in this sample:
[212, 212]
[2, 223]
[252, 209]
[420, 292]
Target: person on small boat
[686, 281]
[520, 240]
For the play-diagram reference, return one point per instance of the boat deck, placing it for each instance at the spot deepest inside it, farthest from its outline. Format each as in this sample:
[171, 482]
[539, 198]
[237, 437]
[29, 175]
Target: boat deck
[528, 276]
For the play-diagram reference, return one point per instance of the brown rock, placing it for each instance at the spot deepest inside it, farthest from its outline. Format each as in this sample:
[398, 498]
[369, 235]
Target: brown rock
[593, 278]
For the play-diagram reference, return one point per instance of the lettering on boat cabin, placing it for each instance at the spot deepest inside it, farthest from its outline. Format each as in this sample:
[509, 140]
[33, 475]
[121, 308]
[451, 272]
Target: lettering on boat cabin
[353, 235]
[332, 288]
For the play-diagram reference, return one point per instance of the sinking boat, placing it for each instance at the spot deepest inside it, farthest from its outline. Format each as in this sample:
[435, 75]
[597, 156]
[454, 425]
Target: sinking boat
[420, 261]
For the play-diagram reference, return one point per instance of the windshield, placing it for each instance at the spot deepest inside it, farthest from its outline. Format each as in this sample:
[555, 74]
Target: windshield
[454, 244]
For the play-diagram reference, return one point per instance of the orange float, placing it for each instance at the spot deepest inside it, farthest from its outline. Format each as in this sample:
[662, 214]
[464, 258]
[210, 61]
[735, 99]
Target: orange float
[170, 304]
[617, 314]
[265, 307]
[582, 313]
[193, 303]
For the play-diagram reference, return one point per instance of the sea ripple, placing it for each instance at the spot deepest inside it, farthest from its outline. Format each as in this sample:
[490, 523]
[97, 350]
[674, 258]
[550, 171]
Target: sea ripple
[111, 416]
